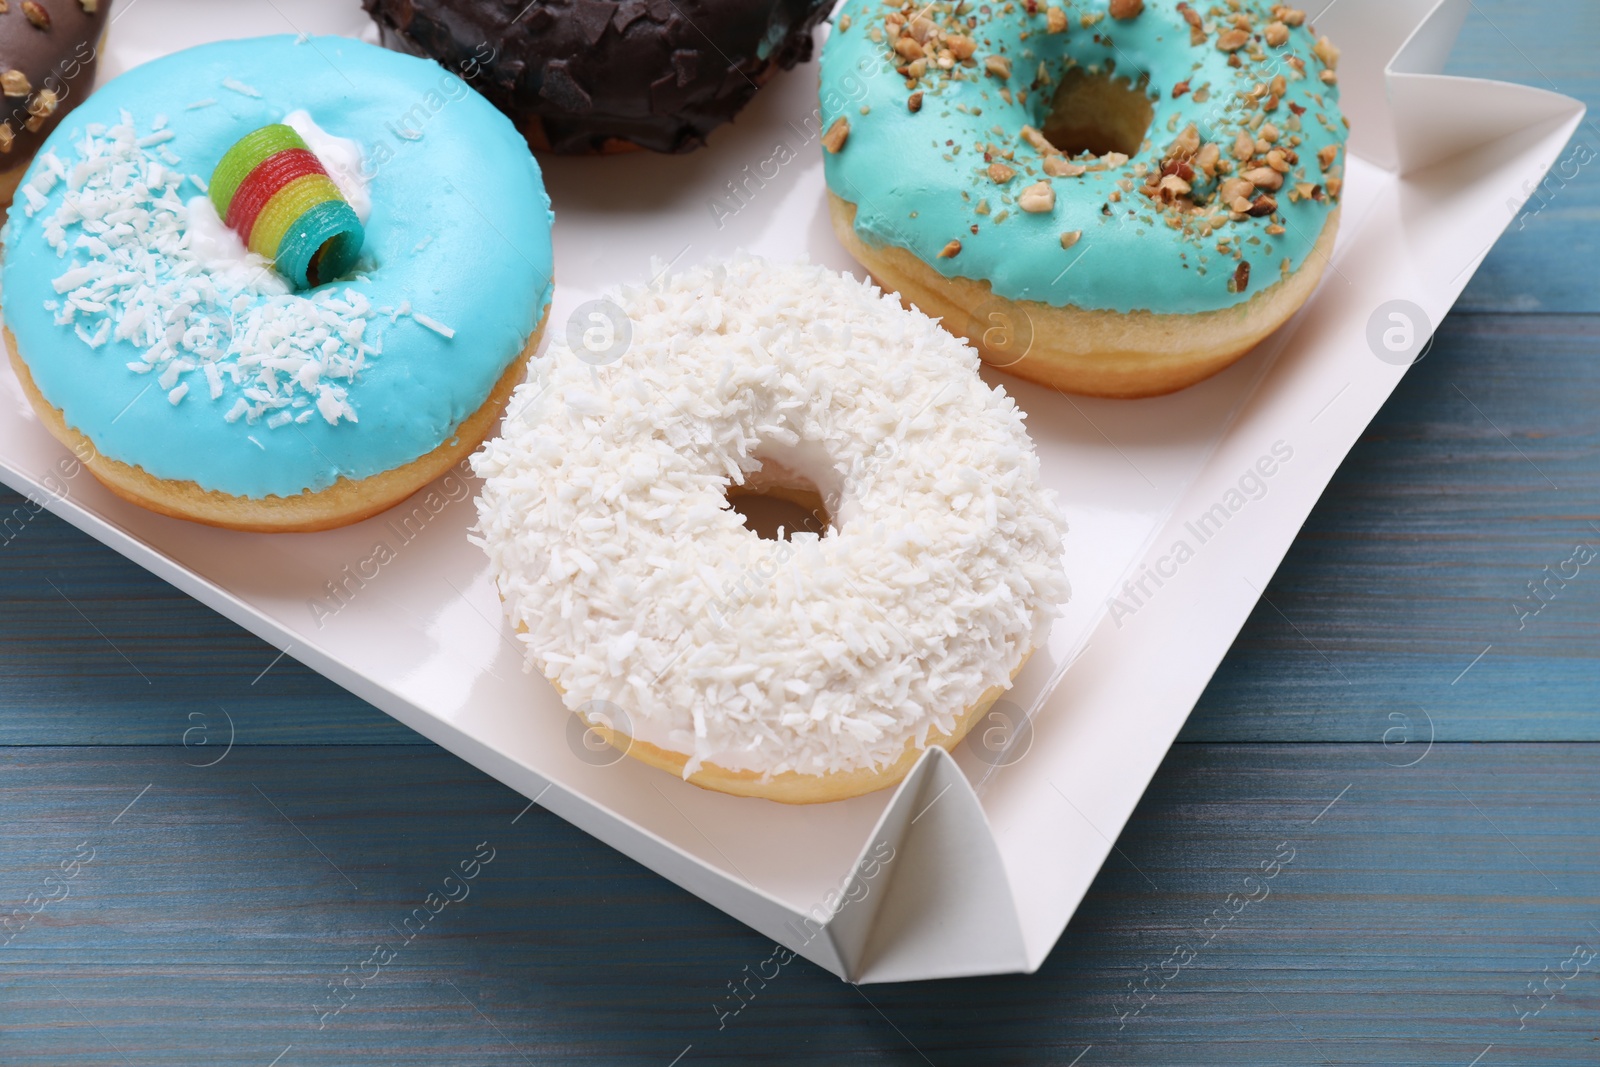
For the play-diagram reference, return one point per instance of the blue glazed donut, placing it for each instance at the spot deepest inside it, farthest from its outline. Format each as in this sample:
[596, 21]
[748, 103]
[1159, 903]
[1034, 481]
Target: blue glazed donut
[198, 381]
[1191, 157]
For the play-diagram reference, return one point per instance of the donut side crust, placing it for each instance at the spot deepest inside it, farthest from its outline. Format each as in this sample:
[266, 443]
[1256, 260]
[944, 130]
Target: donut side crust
[346, 501]
[790, 787]
[1094, 353]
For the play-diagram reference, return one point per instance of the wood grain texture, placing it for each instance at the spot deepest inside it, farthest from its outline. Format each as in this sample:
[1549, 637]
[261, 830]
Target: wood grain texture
[1413, 914]
[1480, 472]
[1543, 263]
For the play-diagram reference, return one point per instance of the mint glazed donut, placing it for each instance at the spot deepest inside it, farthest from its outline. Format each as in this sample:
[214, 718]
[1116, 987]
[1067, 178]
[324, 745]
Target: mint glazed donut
[1189, 157]
[254, 299]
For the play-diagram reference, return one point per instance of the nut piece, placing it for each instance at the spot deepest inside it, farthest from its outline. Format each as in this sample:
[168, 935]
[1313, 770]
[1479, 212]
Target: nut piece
[1264, 204]
[960, 46]
[1037, 139]
[834, 139]
[998, 66]
[1326, 51]
[1327, 155]
[1070, 238]
[43, 104]
[15, 83]
[1037, 198]
[1126, 9]
[914, 101]
[1264, 178]
[6, 137]
[1277, 34]
[907, 48]
[999, 173]
[1241, 277]
[1060, 167]
[950, 250]
[36, 15]
[1244, 146]
[1233, 40]
[91, 6]
[1055, 20]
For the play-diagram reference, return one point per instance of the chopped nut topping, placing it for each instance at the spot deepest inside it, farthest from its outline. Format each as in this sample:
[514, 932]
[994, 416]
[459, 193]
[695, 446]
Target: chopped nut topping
[1172, 187]
[1037, 139]
[1327, 155]
[6, 137]
[834, 139]
[998, 66]
[907, 47]
[43, 103]
[961, 46]
[950, 250]
[1207, 159]
[1187, 144]
[1326, 51]
[1126, 9]
[1059, 167]
[1179, 89]
[923, 28]
[1236, 189]
[914, 101]
[1244, 146]
[1329, 78]
[1289, 16]
[1240, 205]
[1264, 204]
[999, 173]
[1335, 185]
[1269, 133]
[1264, 178]
[844, 20]
[1276, 231]
[1055, 20]
[1277, 34]
[36, 14]
[1241, 277]
[15, 83]
[1277, 161]
[1070, 238]
[1233, 40]
[1037, 198]
[1197, 30]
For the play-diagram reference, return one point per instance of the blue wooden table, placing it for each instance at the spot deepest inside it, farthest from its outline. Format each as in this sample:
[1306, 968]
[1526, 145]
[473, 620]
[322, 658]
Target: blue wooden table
[1400, 716]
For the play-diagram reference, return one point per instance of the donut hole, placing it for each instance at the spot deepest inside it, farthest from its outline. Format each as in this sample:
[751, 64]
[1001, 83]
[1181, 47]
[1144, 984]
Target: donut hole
[778, 512]
[1097, 113]
[779, 500]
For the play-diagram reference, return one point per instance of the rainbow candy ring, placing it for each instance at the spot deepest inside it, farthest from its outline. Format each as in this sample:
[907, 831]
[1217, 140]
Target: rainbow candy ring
[272, 191]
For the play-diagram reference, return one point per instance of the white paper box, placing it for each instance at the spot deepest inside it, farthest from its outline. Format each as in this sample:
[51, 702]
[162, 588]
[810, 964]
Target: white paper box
[988, 863]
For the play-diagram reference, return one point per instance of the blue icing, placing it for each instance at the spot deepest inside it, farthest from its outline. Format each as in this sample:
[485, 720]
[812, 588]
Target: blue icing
[460, 229]
[918, 178]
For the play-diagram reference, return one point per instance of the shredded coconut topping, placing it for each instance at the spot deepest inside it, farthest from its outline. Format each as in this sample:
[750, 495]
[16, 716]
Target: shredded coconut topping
[644, 597]
[149, 269]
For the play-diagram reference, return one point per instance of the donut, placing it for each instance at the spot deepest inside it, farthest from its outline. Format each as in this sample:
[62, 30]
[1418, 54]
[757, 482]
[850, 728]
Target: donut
[1190, 157]
[48, 53]
[595, 76]
[805, 669]
[213, 382]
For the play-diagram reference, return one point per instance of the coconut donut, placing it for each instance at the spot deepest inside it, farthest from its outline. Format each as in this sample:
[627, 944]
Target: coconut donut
[229, 381]
[1189, 157]
[800, 670]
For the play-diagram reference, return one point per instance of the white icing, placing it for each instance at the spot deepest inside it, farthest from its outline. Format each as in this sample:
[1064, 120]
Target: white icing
[633, 584]
[223, 253]
[341, 157]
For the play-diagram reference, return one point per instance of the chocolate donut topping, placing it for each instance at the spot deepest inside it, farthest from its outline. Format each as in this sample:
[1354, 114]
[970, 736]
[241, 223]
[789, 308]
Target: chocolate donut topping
[48, 50]
[580, 76]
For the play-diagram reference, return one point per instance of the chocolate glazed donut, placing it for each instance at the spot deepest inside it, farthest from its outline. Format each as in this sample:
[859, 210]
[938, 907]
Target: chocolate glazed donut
[585, 76]
[48, 50]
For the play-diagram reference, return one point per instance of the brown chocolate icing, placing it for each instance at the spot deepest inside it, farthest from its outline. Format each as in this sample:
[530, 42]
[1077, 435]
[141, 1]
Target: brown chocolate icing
[580, 76]
[48, 53]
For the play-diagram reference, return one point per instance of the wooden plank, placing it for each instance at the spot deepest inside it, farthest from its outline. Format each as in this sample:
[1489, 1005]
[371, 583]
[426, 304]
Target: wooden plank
[1544, 262]
[1412, 916]
[1480, 472]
